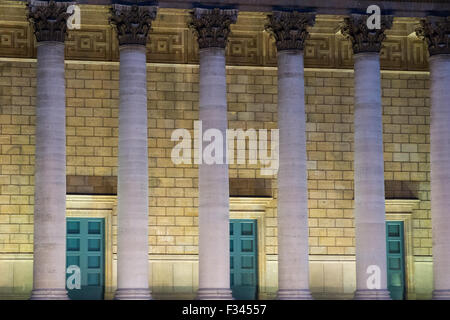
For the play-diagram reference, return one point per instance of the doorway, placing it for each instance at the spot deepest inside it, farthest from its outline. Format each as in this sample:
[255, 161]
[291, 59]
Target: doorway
[85, 258]
[243, 259]
[395, 259]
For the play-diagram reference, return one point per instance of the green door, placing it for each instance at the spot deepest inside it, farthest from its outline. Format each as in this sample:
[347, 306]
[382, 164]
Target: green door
[243, 259]
[85, 260]
[395, 259]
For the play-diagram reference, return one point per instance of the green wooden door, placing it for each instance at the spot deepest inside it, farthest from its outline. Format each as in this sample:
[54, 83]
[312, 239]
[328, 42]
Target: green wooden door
[85, 258]
[243, 259]
[395, 259]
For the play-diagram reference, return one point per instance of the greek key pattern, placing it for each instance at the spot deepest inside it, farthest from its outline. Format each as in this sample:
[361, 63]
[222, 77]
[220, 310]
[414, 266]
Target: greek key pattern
[324, 47]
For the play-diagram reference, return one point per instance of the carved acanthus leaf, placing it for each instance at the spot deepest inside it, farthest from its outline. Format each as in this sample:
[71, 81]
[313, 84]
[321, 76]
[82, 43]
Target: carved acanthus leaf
[290, 29]
[133, 23]
[362, 38]
[49, 19]
[436, 32]
[212, 26]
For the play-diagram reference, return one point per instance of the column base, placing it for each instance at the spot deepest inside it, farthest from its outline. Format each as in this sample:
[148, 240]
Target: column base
[49, 294]
[294, 294]
[441, 294]
[133, 294]
[214, 294]
[374, 294]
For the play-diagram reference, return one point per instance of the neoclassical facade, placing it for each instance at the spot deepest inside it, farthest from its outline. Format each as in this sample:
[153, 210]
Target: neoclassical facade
[92, 205]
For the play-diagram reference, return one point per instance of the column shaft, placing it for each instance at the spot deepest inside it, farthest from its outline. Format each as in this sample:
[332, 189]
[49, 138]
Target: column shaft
[214, 243]
[132, 207]
[293, 252]
[370, 224]
[369, 178]
[212, 27]
[50, 175]
[132, 23]
[440, 172]
[290, 32]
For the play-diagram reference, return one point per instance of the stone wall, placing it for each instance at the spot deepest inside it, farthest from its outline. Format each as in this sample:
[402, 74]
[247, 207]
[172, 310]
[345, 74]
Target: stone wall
[92, 137]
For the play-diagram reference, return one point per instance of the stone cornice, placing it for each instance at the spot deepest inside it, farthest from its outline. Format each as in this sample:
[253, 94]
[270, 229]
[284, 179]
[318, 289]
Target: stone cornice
[290, 29]
[436, 33]
[133, 23]
[362, 38]
[49, 19]
[212, 26]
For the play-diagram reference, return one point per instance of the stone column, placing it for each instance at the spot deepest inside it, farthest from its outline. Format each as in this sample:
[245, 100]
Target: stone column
[132, 24]
[290, 32]
[49, 265]
[435, 31]
[371, 269]
[212, 27]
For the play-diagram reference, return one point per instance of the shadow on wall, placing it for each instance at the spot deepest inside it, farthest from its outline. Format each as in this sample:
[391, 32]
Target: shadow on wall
[401, 189]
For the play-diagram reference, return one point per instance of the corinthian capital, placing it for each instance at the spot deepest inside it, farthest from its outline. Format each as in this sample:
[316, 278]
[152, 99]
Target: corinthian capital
[290, 29]
[132, 22]
[49, 19]
[436, 32]
[212, 26]
[364, 39]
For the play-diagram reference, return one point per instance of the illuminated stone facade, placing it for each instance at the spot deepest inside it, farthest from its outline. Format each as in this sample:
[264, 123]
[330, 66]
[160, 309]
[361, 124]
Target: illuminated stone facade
[92, 98]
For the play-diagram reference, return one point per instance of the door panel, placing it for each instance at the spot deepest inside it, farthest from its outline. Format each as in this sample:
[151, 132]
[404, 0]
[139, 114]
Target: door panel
[395, 259]
[85, 250]
[243, 259]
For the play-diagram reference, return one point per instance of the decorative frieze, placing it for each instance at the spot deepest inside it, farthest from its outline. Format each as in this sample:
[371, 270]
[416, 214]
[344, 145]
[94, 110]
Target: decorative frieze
[132, 22]
[49, 19]
[362, 38]
[212, 26]
[248, 45]
[436, 32]
[290, 29]
[89, 43]
[16, 40]
[167, 45]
